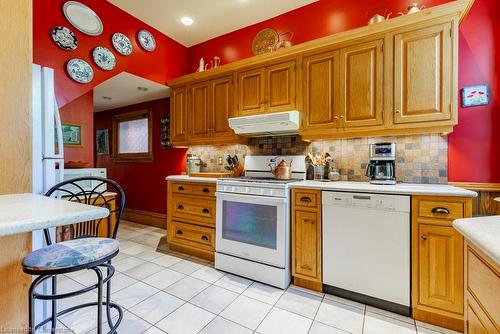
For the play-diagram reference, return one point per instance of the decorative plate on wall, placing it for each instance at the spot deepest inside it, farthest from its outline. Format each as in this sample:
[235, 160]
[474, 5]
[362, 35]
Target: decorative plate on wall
[121, 43]
[104, 58]
[83, 18]
[79, 70]
[146, 40]
[64, 38]
[265, 41]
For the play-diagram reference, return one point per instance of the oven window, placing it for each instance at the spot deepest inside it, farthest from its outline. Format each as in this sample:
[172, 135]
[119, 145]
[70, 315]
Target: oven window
[253, 224]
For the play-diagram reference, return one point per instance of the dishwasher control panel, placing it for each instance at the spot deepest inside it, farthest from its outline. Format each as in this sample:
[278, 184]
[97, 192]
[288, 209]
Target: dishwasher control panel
[399, 203]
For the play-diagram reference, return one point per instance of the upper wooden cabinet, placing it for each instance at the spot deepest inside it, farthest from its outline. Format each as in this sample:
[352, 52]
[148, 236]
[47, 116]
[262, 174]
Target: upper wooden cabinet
[361, 85]
[394, 78]
[178, 116]
[267, 89]
[423, 74]
[321, 91]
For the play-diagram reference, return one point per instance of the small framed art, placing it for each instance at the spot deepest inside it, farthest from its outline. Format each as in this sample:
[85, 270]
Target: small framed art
[475, 96]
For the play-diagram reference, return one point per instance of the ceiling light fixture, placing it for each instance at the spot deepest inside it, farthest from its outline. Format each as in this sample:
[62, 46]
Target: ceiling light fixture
[107, 98]
[187, 21]
[142, 89]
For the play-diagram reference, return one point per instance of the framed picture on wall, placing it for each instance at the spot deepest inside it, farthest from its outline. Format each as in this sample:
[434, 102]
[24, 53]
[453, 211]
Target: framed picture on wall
[475, 96]
[102, 142]
[72, 134]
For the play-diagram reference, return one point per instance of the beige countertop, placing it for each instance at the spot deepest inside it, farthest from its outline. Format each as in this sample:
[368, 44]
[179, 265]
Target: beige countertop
[483, 232]
[400, 188]
[28, 212]
[187, 178]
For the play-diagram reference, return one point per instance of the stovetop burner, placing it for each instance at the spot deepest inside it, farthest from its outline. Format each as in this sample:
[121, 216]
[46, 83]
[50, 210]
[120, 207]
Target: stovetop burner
[262, 179]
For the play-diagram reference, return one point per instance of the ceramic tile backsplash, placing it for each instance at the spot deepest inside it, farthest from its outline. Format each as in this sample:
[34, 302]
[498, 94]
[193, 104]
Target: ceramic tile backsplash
[420, 158]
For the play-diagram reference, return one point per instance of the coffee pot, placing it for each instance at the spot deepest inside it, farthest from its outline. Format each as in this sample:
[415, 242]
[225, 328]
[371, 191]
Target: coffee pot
[282, 171]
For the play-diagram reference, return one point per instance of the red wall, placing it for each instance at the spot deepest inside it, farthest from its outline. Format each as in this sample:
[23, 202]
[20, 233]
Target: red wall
[144, 183]
[474, 150]
[168, 61]
[81, 111]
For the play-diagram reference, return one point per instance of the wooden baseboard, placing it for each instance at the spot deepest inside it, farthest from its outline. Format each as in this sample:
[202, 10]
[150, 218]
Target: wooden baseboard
[477, 186]
[308, 284]
[192, 251]
[145, 217]
[439, 318]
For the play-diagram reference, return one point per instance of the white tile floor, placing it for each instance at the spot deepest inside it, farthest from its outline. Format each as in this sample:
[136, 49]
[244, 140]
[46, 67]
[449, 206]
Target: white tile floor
[167, 292]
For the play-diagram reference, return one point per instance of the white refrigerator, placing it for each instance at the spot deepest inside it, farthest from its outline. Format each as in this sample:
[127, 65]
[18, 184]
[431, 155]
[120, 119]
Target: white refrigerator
[48, 155]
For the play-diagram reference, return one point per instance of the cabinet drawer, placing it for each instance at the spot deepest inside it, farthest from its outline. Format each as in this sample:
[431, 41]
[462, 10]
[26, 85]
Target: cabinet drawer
[484, 284]
[440, 209]
[306, 198]
[201, 189]
[193, 209]
[192, 235]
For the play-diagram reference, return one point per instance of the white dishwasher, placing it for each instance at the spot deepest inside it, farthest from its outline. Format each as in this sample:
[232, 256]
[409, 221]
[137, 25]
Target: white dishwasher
[366, 248]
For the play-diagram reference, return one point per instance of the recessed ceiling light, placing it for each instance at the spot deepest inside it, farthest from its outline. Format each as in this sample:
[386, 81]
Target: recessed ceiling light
[107, 98]
[142, 89]
[187, 21]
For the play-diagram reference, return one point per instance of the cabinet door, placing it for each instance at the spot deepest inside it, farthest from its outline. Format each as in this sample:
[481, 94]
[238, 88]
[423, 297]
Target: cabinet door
[280, 87]
[251, 92]
[423, 75]
[321, 91]
[440, 267]
[222, 106]
[361, 68]
[178, 115]
[199, 111]
[307, 244]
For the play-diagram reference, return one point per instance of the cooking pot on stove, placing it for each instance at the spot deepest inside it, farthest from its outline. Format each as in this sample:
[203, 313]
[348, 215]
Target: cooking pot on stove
[282, 171]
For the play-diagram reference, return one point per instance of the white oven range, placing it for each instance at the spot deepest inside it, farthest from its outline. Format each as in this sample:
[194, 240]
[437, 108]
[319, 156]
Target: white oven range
[253, 221]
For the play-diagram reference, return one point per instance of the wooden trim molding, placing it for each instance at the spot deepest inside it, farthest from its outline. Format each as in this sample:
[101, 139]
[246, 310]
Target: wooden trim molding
[477, 186]
[145, 217]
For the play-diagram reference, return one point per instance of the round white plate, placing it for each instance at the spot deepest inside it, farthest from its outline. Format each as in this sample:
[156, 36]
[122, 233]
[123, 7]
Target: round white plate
[79, 70]
[146, 40]
[64, 38]
[104, 58]
[83, 18]
[121, 43]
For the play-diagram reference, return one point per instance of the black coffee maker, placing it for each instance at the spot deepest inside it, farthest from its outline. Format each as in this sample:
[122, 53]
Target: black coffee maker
[382, 166]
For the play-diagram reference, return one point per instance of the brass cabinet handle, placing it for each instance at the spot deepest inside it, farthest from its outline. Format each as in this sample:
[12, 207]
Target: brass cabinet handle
[398, 111]
[341, 117]
[440, 210]
[180, 188]
[206, 190]
[305, 199]
[424, 237]
[180, 207]
[205, 238]
[205, 210]
[179, 232]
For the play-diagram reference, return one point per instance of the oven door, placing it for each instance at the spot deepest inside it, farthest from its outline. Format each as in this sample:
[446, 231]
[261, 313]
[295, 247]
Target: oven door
[252, 227]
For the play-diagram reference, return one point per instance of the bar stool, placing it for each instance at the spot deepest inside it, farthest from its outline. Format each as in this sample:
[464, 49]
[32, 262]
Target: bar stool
[85, 250]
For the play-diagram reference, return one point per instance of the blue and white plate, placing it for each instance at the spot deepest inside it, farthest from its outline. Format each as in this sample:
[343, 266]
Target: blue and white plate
[80, 71]
[146, 40]
[104, 58]
[64, 38]
[121, 43]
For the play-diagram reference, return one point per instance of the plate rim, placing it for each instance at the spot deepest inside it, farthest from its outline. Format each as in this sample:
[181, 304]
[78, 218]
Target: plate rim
[77, 3]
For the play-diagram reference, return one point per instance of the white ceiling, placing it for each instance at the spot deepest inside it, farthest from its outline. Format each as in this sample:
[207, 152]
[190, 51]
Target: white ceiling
[211, 18]
[122, 88]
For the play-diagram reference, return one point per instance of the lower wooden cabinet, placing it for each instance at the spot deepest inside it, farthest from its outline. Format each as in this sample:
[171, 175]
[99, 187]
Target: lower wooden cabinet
[437, 260]
[191, 218]
[306, 239]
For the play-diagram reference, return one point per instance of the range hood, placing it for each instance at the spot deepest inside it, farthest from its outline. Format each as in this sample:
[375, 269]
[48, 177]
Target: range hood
[274, 124]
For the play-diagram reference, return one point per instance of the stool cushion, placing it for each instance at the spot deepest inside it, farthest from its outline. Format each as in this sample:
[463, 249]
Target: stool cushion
[65, 255]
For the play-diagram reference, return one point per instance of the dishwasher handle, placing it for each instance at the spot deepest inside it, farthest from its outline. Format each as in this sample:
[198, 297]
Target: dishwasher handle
[362, 197]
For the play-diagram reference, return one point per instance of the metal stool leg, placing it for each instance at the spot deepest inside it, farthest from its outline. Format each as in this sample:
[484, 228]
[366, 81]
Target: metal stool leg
[54, 305]
[108, 299]
[31, 309]
[99, 299]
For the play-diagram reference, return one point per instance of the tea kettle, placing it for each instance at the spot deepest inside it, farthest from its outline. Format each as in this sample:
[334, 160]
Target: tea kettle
[413, 8]
[282, 171]
[378, 18]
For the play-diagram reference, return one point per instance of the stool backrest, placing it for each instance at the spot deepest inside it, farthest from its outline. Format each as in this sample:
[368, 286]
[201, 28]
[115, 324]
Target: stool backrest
[104, 193]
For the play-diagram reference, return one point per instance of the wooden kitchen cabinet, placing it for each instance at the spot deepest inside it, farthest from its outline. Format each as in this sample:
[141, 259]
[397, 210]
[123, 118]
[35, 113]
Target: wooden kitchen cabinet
[437, 260]
[423, 74]
[361, 84]
[178, 116]
[200, 114]
[321, 93]
[191, 218]
[222, 104]
[306, 239]
[266, 89]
